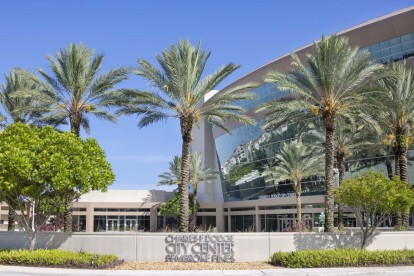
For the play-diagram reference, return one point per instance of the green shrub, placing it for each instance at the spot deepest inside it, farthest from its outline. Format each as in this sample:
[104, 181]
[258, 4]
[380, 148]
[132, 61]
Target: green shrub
[342, 258]
[56, 258]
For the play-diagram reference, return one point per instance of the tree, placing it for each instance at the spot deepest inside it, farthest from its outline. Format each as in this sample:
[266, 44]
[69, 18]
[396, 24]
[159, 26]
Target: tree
[350, 140]
[334, 83]
[397, 106]
[374, 198]
[197, 174]
[172, 206]
[74, 91]
[15, 110]
[296, 163]
[39, 165]
[182, 89]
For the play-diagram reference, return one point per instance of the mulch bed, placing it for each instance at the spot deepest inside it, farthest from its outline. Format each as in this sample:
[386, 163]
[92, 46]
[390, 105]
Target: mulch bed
[193, 266]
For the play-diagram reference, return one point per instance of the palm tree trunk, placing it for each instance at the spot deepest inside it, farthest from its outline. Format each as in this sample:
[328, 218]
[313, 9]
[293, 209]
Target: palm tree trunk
[397, 163]
[195, 203]
[389, 168]
[329, 123]
[186, 127]
[75, 119]
[11, 220]
[298, 192]
[67, 217]
[341, 168]
[402, 150]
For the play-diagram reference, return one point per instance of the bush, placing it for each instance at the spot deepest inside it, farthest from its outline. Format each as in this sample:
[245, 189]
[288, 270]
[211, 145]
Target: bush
[57, 258]
[342, 258]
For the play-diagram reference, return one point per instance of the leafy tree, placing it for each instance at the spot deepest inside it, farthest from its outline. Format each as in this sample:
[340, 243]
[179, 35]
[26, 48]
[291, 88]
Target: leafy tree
[39, 165]
[350, 140]
[334, 83]
[197, 174]
[172, 206]
[15, 110]
[374, 198]
[183, 91]
[296, 163]
[74, 91]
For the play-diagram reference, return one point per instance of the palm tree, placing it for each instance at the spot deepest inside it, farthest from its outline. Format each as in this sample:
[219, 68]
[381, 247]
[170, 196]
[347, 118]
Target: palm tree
[334, 84]
[182, 89]
[15, 105]
[172, 176]
[74, 90]
[197, 175]
[15, 110]
[297, 162]
[397, 108]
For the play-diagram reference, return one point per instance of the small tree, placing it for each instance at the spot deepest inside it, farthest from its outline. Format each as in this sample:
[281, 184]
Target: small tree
[39, 165]
[296, 163]
[374, 198]
[197, 174]
[172, 206]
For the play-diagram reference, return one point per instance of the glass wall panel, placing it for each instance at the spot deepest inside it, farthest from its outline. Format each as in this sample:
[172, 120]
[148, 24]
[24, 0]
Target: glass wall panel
[243, 223]
[246, 153]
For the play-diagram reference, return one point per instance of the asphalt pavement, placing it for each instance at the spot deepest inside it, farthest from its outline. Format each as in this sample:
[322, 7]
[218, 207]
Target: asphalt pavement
[354, 271]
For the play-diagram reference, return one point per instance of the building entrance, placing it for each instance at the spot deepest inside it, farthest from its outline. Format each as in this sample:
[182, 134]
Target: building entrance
[130, 225]
[113, 225]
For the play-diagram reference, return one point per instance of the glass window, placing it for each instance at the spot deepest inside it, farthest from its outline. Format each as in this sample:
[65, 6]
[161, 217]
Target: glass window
[374, 48]
[384, 44]
[395, 41]
[407, 38]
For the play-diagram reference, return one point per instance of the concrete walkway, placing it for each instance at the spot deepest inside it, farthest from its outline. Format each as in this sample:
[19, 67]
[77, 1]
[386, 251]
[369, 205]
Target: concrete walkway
[389, 271]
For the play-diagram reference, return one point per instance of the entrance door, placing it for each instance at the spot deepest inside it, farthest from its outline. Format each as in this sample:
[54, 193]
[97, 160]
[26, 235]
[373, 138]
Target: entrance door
[130, 225]
[113, 225]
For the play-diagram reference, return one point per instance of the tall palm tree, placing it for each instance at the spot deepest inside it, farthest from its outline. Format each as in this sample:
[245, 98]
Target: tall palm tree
[15, 105]
[15, 110]
[397, 108]
[197, 174]
[334, 83]
[182, 89]
[75, 90]
[297, 162]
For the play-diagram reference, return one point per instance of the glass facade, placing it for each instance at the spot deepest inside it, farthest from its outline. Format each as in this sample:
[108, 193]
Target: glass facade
[394, 49]
[245, 154]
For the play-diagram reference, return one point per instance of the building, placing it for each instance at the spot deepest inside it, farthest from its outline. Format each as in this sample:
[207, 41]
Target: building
[243, 200]
[240, 199]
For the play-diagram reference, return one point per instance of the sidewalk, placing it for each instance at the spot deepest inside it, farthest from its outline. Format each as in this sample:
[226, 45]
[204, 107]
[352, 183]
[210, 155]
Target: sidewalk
[389, 271]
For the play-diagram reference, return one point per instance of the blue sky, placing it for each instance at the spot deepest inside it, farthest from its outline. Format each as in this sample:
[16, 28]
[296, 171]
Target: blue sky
[249, 33]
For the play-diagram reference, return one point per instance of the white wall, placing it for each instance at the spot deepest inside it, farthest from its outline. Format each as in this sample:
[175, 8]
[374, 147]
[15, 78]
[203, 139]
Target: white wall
[151, 247]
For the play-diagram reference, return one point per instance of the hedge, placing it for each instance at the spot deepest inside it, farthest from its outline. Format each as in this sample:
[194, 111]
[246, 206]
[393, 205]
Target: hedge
[342, 258]
[57, 258]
